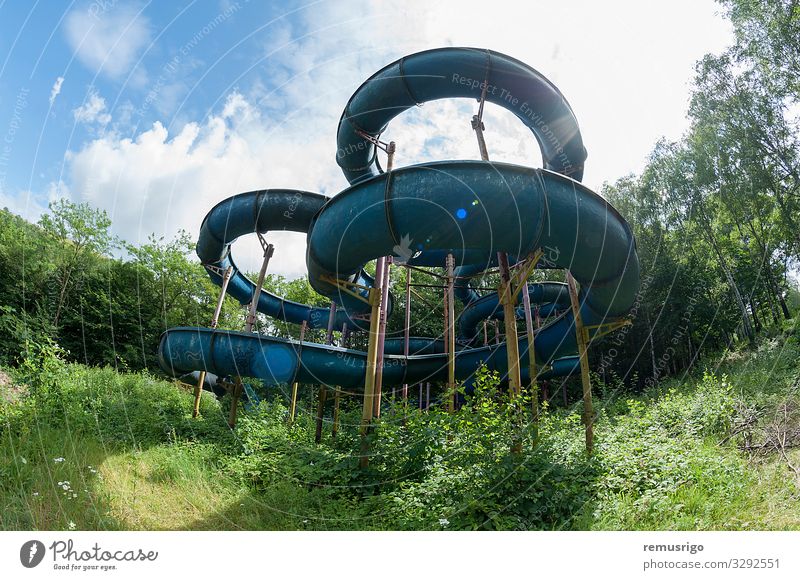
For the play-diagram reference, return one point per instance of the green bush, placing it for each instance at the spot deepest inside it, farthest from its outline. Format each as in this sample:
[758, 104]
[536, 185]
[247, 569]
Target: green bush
[658, 464]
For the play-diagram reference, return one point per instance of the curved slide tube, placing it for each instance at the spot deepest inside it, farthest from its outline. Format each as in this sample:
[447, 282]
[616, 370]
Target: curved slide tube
[277, 361]
[449, 73]
[422, 213]
[261, 212]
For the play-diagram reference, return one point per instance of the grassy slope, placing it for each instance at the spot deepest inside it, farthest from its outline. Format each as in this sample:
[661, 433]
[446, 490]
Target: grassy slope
[134, 459]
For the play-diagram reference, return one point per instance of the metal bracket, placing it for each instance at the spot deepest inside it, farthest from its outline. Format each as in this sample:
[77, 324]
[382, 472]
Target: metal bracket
[388, 148]
[267, 247]
[214, 269]
[510, 291]
[345, 286]
[524, 271]
[606, 328]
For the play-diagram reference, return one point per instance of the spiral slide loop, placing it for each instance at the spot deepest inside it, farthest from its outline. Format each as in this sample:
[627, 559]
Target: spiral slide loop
[470, 209]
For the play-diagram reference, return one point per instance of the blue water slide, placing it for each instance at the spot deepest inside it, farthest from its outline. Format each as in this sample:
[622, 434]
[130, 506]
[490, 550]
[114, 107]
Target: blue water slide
[470, 209]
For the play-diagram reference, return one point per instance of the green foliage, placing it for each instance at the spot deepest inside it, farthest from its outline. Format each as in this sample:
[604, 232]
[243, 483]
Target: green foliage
[664, 460]
[61, 286]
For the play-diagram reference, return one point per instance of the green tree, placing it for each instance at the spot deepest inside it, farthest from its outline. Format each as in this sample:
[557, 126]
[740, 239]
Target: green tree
[82, 232]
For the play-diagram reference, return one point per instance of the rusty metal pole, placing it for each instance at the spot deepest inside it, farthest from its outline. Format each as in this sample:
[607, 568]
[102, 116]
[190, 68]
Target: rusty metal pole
[250, 323]
[371, 366]
[485, 334]
[512, 348]
[382, 280]
[337, 391]
[496, 332]
[526, 304]
[582, 337]
[506, 291]
[201, 379]
[331, 319]
[387, 268]
[478, 126]
[253, 308]
[323, 389]
[451, 335]
[510, 320]
[537, 320]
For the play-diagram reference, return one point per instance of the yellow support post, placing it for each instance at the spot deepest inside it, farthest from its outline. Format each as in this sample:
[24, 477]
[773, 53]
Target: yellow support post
[406, 333]
[335, 426]
[369, 379]
[295, 386]
[582, 336]
[512, 345]
[236, 395]
[250, 322]
[451, 334]
[509, 314]
[293, 402]
[387, 267]
[526, 304]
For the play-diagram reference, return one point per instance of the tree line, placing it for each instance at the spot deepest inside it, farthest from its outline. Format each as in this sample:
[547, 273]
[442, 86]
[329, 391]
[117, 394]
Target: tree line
[715, 216]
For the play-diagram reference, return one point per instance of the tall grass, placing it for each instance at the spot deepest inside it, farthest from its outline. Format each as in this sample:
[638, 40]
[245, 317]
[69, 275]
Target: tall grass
[93, 448]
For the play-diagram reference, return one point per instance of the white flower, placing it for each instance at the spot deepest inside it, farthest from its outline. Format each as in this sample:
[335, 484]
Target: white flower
[24, 461]
[444, 522]
[72, 525]
[58, 459]
[35, 494]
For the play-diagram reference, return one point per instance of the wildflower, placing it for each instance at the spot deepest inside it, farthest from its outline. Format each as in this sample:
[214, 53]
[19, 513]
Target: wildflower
[23, 460]
[59, 459]
[35, 494]
[444, 522]
[72, 525]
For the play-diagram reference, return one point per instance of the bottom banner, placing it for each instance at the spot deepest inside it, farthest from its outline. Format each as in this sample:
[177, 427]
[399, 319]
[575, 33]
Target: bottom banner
[389, 555]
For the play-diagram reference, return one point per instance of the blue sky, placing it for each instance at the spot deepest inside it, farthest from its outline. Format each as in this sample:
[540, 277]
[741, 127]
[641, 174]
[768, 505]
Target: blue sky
[156, 111]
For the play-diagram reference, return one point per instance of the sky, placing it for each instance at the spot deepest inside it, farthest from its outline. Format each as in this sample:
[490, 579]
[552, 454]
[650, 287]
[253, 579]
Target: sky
[156, 111]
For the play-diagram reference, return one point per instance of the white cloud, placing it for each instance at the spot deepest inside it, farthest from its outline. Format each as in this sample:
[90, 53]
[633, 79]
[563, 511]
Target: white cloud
[110, 41]
[31, 205]
[93, 110]
[621, 70]
[54, 92]
[160, 182]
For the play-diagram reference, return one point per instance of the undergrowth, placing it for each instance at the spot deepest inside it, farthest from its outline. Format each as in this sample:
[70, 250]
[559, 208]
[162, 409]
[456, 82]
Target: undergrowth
[94, 448]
